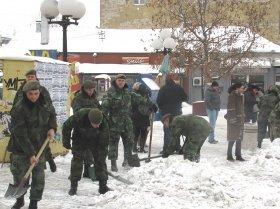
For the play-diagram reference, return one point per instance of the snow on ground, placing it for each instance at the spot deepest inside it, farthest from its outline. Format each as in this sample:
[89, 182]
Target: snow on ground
[173, 182]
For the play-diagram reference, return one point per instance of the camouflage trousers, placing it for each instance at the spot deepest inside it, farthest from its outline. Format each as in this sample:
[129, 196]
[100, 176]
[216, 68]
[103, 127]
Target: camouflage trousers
[192, 147]
[80, 156]
[127, 140]
[20, 165]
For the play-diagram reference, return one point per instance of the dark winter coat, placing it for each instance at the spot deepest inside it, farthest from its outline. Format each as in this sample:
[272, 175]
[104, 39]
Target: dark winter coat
[43, 91]
[235, 116]
[266, 105]
[249, 102]
[83, 100]
[212, 99]
[117, 105]
[84, 135]
[140, 117]
[30, 124]
[170, 98]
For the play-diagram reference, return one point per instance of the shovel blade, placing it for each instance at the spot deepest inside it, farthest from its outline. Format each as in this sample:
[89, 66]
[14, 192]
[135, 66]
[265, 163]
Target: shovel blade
[16, 191]
[91, 172]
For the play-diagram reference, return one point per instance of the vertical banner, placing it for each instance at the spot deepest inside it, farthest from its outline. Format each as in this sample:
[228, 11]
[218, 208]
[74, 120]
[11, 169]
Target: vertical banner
[55, 77]
[44, 30]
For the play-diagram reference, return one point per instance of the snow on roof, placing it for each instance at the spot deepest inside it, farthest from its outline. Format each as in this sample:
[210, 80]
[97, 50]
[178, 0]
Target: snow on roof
[115, 69]
[32, 58]
[117, 40]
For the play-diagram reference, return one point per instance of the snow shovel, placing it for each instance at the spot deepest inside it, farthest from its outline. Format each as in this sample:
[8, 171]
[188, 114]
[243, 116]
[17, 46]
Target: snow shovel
[118, 178]
[15, 191]
[148, 159]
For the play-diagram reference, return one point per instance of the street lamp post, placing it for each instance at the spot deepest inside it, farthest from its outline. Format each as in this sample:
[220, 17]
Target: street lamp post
[165, 44]
[70, 10]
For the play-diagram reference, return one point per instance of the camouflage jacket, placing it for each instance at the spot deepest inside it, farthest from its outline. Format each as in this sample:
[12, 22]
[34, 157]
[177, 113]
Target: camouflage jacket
[117, 105]
[84, 135]
[191, 126]
[83, 100]
[43, 91]
[266, 105]
[274, 116]
[30, 124]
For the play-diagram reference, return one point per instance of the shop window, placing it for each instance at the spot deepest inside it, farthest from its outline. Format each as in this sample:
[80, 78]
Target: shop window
[257, 80]
[139, 2]
[277, 79]
[238, 78]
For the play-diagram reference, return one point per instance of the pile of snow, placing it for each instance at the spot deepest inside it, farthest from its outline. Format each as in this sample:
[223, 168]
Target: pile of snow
[173, 182]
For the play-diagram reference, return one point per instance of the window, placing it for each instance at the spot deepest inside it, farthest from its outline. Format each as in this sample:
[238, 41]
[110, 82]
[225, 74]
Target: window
[139, 2]
[277, 79]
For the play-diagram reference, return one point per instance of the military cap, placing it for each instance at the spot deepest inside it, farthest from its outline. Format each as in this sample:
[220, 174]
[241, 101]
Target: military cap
[88, 84]
[95, 116]
[31, 85]
[122, 76]
[30, 72]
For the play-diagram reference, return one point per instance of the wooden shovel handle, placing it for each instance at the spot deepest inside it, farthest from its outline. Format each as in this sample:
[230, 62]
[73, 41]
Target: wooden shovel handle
[37, 157]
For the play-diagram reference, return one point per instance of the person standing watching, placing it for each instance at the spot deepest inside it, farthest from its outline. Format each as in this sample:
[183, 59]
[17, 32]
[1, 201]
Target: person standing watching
[213, 105]
[169, 100]
[235, 120]
[32, 122]
[117, 106]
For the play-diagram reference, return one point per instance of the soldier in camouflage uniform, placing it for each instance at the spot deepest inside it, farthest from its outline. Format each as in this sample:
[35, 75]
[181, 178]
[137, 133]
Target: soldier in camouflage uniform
[266, 105]
[32, 121]
[117, 104]
[195, 129]
[86, 98]
[31, 76]
[274, 117]
[90, 131]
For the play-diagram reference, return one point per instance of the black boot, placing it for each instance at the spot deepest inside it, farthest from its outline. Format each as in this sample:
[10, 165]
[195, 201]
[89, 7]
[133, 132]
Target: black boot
[114, 166]
[19, 203]
[103, 187]
[230, 158]
[86, 171]
[239, 158]
[52, 165]
[125, 162]
[73, 189]
[259, 144]
[33, 204]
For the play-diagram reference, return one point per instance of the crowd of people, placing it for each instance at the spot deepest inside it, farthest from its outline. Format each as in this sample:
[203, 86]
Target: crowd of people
[246, 104]
[93, 132]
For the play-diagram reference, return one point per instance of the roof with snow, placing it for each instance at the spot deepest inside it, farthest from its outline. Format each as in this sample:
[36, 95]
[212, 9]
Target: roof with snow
[117, 40]
[115, 69]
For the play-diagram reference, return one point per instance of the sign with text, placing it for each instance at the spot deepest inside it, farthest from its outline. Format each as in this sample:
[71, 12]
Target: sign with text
[135, 60]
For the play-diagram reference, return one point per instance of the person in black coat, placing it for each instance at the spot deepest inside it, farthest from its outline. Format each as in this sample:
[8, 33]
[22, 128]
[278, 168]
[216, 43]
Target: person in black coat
[249, 102]
[169, 100]
[140, 117]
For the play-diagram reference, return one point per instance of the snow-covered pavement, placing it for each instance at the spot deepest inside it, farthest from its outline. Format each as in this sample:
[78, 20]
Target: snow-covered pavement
[173, 182]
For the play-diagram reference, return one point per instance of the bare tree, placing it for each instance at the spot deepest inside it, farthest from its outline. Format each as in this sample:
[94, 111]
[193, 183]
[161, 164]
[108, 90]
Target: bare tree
[214, 36]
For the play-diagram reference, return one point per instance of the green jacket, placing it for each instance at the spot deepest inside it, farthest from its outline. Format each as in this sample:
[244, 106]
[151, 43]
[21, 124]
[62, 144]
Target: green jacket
[29, 126]
[192, 127]
[43, 91]
[84, 135]
[83, 100]
[117, 105]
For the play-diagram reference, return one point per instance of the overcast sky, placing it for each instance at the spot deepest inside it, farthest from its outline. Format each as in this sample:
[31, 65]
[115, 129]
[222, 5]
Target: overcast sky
[18, 15]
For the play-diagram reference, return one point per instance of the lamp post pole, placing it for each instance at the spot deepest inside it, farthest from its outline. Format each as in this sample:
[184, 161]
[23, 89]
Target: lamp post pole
[165, 44]
[70, 10]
